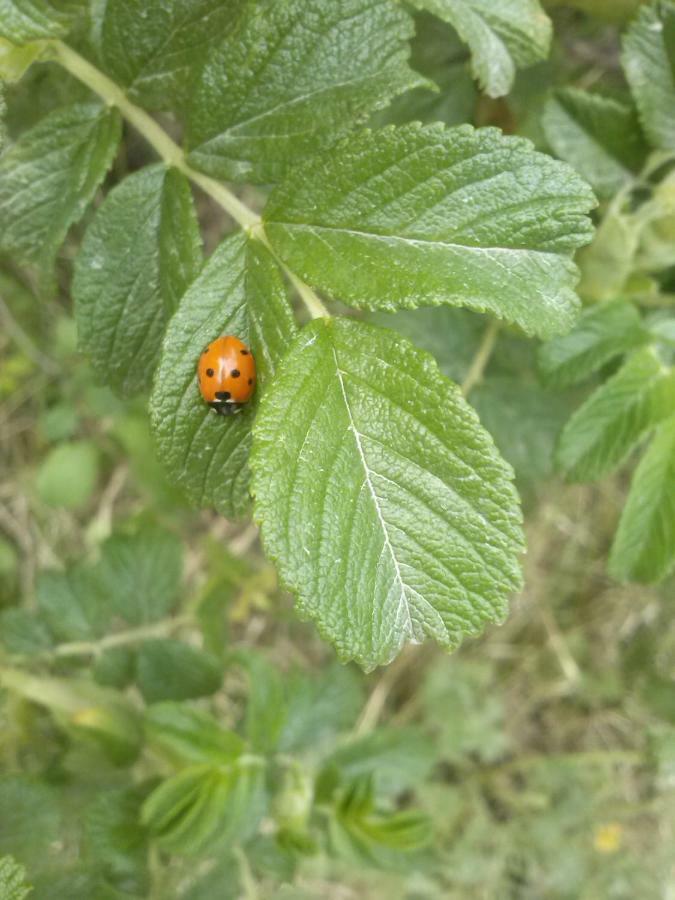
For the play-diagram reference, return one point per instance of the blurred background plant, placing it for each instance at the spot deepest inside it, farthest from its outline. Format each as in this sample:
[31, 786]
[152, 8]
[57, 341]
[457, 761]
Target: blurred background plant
[168, 729]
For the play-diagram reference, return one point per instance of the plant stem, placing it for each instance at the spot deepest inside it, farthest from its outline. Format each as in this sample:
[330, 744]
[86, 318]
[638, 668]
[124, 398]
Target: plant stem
[482, 358]
[169, 151]
[121, 638]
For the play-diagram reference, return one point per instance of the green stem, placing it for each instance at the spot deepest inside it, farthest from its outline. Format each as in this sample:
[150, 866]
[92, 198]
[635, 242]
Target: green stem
[482, 358]
[121, 638]
[174, 156]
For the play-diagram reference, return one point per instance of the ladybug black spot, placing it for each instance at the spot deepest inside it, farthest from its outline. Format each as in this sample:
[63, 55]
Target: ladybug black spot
[244, 352]
[235, 373]
[250, 381]
[223, 395]
[210, 373]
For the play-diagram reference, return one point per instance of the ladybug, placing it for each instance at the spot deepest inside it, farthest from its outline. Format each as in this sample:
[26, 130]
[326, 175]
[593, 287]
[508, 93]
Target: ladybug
[226, 374]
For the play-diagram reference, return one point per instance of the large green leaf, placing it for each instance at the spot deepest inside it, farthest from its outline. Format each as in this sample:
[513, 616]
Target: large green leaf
[139, 254]
[607, 426]
[599, 136]
[649, 63]
[151, 46]
[644, 546]
[49, 176]
[239, 292]
[412, 216]
[384, 502]
[603, 331]
[296, 76]
[502, 36]
[27, 20]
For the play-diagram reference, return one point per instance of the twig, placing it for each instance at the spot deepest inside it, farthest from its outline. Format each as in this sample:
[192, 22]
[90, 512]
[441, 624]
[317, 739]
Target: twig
[482, 358]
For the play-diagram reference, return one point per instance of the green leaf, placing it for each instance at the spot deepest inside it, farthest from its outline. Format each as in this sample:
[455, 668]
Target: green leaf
[69, 475]
[502, 36]
[294, 78]
[607, 426]
[141, 573]
[602, 332]
[139, 254]
[189, 735]
[72, 604]
[385, 503]
[114, 841]
[413, 216]
[649, 62]
[240, 291]
[23, 633]
[170, 670]
[150, 47]
[206, 806]
[644, 546]
[266, 706]
[27, 20]
[30, 821]
[598, 136]
[12, 880]
[49, 177]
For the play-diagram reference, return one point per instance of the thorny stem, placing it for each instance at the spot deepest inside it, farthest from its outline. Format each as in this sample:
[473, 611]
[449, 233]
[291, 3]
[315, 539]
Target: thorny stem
[173, 155]
[482, 358]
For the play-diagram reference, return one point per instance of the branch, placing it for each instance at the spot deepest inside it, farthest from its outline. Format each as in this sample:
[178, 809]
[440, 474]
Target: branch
[169, 151]
[482, 358]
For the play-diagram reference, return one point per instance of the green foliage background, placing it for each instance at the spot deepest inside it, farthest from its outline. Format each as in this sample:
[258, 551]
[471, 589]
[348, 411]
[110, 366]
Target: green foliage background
[169, 727]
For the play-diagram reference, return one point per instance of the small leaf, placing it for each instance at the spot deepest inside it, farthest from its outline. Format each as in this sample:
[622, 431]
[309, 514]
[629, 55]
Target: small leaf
[151, 46]
[30, 821]
[602, 332]
[27, 20]
[649, 63]
[294, 78]
[49, 177]
[171, 670]
[206, 806]
[644, 546]
[598, 136]
[412, 216]
[12, 880]
[189, 735]
[69, 475]
[23, 632]
[266, 706]
[114, 841]
[240, 291]
[603, 431]
[141, 574]
[139, 254]
[72, 604]
[502, 36]
[384, 502]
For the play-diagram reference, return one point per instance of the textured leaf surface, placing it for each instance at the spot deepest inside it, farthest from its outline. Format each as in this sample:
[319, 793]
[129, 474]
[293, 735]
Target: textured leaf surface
[649, 63]
[151, 46]
[414, 216]
[139, 254]
[239, 292]
[502, 36]
[644, 546]
[599, 136]
[49, 176]
[603, 332]
[292, 80]
[382, 499]
[607, 426]
[27, 20]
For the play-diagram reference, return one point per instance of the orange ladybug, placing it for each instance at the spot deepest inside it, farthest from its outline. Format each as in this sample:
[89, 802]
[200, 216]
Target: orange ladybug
[226, 374]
